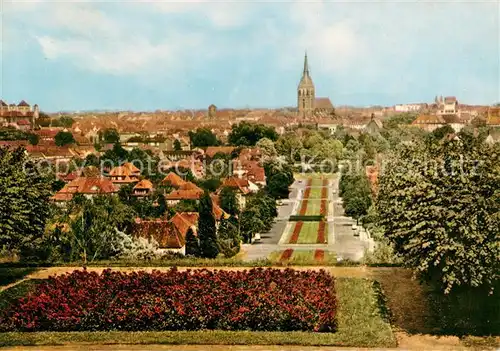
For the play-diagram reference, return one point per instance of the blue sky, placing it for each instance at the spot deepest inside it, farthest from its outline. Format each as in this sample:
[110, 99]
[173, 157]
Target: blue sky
[143, 55]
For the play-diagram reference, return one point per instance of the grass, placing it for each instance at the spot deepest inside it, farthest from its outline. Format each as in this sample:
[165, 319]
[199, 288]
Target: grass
[304, 258]
[313, 207]
[360, 324]
[308, 233]
[9, 275]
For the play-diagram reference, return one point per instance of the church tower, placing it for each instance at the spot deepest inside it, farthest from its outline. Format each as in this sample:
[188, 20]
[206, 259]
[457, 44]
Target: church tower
[305, 93]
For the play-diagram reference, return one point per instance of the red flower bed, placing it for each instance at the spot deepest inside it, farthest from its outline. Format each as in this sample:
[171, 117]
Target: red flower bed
[319, 255]
[286, 254]
[321, 233]
[296, 232]
[307, 193]
[258, 299]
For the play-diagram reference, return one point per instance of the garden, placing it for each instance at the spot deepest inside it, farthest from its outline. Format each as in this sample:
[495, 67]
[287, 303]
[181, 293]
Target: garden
[311, 227]
[257, 299]
[202, 306]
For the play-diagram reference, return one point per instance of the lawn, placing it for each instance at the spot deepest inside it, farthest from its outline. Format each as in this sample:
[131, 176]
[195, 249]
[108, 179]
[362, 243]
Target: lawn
[9, 275]
[361, 323]
[305, 257]
[313, 207]
[309, 233]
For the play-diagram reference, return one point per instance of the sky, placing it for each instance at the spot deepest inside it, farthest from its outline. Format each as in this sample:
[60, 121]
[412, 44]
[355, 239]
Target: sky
[148, 55]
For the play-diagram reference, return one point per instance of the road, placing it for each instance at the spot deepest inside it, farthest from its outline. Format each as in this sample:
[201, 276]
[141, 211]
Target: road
[341, 239]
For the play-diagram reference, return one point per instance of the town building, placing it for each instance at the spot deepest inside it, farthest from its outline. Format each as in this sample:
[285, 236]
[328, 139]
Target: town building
[307, 103]
[20, 116]
[86, 186]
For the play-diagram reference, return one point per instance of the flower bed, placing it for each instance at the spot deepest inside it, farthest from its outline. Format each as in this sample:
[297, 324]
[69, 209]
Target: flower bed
[307, 193]
[321, 233]
[258, 299]
[319, 255]
[286, 255]
[296, 232]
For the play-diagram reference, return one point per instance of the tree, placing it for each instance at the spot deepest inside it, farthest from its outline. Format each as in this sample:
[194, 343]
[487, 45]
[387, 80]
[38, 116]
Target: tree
[33, 138]
[439, 203]
[95, 225]
[267, 147]
[192, 244]
[279, 177]
[203, 137]
[177, 145]
[66, 121]
[110, 136]
[207, 233]
[248, 134]
[228, 201]
[24, 202]
[289, 145]
[64, 138]
[228, 238]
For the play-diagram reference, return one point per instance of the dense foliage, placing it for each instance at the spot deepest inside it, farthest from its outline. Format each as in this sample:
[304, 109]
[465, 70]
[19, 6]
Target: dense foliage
[279, 177]
[439, 203]
[258, 216]
[24, 202]
[356, 194]
[203, 137]
[259, 299]
[248, 134]
[207, 231]
[63, 138]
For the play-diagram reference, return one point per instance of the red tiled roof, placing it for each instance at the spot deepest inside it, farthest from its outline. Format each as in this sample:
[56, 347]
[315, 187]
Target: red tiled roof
[190, 186]
[144, 184]
[85, 185]
[174, 180]
[164, 232]
[211, 151]
[185, 220]
[237, 183]
[184, 195]
[23, 122]
[323, 103]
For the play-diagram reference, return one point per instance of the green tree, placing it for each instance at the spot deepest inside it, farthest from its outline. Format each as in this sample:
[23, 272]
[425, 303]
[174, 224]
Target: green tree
[203, 137]
[267, 147]
[95, 226]
[439, 204]
[192, 244]
[248, 134]
[279, 177]
[33, 138]
[177, 145]
[110, 136]
[228, 201]
[24, 202]
[228, 239]
[207, 233]
[64, 138]
[66, 121]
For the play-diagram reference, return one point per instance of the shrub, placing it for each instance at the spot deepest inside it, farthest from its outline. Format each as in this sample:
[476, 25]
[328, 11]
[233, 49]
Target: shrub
[258, 299]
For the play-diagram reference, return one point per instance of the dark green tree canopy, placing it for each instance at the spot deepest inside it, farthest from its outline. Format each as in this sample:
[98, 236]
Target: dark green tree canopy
[439, 204]
[203, 137]
[110, 136]
[248, 134]
[24, 201]
[64, 138]
[207, 232]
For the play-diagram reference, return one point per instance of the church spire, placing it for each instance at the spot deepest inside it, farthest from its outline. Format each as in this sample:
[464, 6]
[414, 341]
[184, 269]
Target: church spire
[306, 65]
